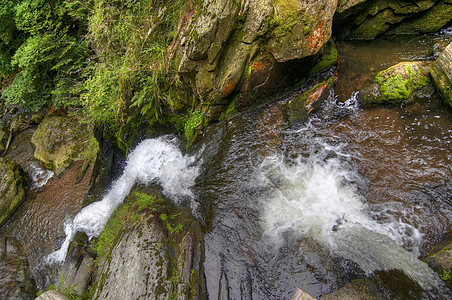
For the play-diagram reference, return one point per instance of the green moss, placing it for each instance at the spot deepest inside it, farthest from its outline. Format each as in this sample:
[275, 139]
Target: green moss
[326, 61]
[400, 86]
[285, 17]
[231, 109]
[193, 125]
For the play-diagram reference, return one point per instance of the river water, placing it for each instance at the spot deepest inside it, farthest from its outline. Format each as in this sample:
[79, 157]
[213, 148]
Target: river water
[316, 204]
[349, 193]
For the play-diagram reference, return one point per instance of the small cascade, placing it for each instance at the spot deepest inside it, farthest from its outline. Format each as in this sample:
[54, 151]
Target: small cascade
[39, 175]
[154, 161]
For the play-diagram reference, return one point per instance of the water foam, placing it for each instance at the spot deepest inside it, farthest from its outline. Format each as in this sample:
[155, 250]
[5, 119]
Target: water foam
[156, 161]
[317, 197]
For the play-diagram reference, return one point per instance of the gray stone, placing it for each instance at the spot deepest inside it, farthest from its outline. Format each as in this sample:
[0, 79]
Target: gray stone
[137, 267]
[52, 295]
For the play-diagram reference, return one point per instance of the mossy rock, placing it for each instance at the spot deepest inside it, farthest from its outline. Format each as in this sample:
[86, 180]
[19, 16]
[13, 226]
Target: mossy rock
[12, 188]
[440, 260]
[397, 84]
[299, 108]
[327, 59]
[60, 141]
[441, 72]
[432, 20]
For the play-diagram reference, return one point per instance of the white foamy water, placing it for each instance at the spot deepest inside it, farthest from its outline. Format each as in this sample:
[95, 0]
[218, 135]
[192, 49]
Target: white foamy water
[317, 197]
[154, 161]
[38, 175]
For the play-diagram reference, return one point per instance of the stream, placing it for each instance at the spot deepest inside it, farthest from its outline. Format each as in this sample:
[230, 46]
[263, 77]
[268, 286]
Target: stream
[347, 194]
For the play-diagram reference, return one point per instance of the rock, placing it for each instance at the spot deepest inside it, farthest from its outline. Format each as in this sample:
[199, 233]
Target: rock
[224, 42]
[441, 72]
[440, 260]
[52, 295]
[299, 294]
[433, 20]
[12, 188]
[300, 107]
[15, 280]
[60, 141]
[396, 84]
[137, 267]
[357, 289]
[360, 19]
[77, 269]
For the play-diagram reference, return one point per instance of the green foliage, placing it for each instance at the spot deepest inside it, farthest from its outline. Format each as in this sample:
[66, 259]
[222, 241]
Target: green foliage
[145, 201]
[192, 125]
[172, 228]
[445, 275]
[49, 52]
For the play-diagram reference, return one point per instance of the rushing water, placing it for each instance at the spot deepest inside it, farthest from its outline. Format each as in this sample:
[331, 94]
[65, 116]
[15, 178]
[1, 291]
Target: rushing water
[158, 161]
[314, 205]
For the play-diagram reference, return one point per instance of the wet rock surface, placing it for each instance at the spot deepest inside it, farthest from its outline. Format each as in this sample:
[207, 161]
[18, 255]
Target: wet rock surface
[137, 267]
[442, 74]
[12, 188]
[60, 141]
[15, 280]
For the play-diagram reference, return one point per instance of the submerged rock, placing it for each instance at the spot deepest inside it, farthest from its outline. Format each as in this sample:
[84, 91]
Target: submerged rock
[396, 84]
[442, 74]
[12, 188]
[60, 141]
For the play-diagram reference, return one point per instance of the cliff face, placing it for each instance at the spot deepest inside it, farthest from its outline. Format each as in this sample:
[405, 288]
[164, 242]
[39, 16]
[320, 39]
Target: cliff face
[222, 42]
[365, 19]
[236, 50]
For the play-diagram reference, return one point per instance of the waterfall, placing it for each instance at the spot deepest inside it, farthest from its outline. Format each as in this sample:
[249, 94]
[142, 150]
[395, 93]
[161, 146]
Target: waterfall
[156, 161]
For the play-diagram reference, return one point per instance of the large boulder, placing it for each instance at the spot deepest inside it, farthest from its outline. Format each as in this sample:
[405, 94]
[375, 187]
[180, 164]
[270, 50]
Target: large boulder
[150, 249]
[442, 73]
[60, 141]
[397, 84]
[12, 188]
[220, 46]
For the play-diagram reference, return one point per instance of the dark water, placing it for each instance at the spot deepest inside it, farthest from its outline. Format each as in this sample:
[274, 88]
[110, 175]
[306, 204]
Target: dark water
[278, 199]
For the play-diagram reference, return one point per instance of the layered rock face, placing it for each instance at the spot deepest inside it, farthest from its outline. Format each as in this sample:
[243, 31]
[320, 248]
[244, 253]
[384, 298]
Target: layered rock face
[361, 19]
[229, 39]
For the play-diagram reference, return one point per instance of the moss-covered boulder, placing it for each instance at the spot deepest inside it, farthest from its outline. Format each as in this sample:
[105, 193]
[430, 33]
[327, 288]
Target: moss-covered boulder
[396, 84]
[12, 188]
[150, 249]
[442, 74]
[60, 141]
